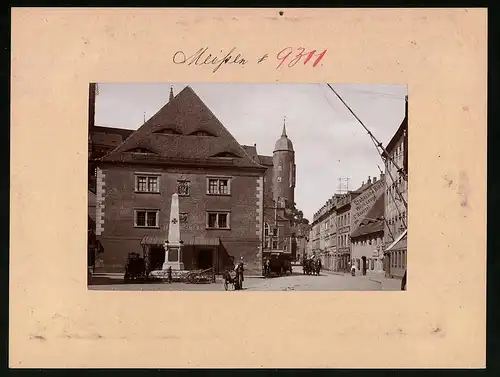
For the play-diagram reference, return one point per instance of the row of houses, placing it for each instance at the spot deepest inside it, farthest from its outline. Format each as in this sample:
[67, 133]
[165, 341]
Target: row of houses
[367, 227]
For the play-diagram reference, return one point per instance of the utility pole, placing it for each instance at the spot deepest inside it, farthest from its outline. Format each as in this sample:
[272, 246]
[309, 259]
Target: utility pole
[343, 185]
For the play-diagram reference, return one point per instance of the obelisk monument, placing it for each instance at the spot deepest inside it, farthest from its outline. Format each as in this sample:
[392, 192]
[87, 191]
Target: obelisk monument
[173, 245]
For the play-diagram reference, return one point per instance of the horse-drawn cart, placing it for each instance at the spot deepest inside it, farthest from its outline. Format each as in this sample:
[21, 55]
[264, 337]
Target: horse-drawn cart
[201, 276]
[311, 267]
[135, 268]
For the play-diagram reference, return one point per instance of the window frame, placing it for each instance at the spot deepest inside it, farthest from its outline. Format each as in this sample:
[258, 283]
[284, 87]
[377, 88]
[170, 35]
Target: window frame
[218, 212]
[148, 176]
[218, 178]
[146, 210]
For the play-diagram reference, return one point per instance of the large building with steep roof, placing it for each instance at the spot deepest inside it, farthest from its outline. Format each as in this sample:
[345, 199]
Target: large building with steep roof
[368, 239]
[226, 193]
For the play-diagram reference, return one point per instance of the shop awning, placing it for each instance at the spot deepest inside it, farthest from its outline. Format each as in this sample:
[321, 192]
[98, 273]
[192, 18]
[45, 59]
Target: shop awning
[399, 243]
[152, 240]
[191, 241]
[202, 241]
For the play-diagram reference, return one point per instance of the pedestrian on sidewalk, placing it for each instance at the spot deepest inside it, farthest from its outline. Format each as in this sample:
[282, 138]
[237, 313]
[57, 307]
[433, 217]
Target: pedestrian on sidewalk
[267, 267]
[353, 269]
[169, 274]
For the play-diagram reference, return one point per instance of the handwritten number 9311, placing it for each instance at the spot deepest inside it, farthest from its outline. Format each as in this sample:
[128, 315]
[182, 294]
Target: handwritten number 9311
[292, 57]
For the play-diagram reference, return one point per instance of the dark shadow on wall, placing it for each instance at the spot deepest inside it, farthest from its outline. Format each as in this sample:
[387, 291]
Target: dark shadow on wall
[226, 261]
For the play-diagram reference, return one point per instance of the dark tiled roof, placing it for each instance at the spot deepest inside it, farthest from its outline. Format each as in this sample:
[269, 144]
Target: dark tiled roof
[370, 228]
[182, 116]
[123, 132]
[363, 187]
[367, 225]
[251, 150]
[266, 160]
[106, 139]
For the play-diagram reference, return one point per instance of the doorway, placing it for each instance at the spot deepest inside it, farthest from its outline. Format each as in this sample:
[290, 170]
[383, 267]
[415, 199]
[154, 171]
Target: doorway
[364, 264]
[156, 257]
[204, 259]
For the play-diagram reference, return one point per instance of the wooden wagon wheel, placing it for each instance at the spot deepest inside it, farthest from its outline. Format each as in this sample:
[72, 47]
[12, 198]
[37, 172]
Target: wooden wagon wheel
[191, 278]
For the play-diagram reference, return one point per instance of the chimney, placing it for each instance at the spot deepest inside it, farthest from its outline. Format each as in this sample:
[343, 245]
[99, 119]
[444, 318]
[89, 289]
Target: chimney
[374, 179]
[369, 180]
[171, 94]
[382, 175]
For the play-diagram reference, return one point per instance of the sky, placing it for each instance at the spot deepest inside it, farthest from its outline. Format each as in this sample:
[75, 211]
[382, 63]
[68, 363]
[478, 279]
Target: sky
[329, 142]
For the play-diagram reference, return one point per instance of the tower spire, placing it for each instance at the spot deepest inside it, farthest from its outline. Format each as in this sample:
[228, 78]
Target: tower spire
[284, 127]
[171, 94]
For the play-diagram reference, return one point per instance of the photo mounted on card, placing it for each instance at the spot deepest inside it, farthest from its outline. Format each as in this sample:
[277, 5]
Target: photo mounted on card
[226, 188]
[208, 186]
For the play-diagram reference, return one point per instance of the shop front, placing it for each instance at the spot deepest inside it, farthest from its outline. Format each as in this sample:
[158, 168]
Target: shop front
[395, 257]
[197, 253]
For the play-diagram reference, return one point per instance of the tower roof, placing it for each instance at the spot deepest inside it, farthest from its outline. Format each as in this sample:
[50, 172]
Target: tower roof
[284, 143]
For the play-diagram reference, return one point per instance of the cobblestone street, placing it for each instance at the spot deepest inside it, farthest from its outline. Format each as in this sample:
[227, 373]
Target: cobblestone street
[327, 281]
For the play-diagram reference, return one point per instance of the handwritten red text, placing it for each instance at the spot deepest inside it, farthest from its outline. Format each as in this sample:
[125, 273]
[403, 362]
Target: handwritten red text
[292, 56]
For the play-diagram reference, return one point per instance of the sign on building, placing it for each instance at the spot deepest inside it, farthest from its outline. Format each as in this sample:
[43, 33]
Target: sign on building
[364, 202]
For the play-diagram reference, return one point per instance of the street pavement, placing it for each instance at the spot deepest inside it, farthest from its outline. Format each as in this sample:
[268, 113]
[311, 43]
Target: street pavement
[327, 281]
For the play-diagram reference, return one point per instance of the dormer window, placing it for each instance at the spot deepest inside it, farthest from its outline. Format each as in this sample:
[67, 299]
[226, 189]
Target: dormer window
[201, 133]
[141, 150]
[168, 131]
[226, 155]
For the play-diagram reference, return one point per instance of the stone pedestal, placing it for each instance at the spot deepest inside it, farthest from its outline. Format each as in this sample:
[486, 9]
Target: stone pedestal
[173, 257]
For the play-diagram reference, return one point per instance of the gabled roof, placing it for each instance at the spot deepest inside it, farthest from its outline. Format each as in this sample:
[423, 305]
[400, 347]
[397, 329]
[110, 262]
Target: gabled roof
[368, 225]
[169, 137]
[266, 160]
[364, 186]
[251, 150]
[123, 132]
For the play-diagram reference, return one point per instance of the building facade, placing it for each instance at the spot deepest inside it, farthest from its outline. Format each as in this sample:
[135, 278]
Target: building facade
[368, 238]
[343, 249]
[396, 201]
[226, 192]
[367, 211]
[325, 222]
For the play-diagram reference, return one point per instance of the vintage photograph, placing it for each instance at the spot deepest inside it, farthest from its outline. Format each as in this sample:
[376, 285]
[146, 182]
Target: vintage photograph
[247, 187]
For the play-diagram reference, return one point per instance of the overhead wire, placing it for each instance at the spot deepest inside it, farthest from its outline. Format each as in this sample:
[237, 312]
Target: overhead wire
[378, 145]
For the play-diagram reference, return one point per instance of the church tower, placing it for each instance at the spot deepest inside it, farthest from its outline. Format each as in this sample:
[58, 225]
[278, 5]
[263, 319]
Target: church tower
[284, 171]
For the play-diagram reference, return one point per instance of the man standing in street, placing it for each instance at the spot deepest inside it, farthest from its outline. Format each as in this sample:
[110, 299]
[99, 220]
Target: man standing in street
[169, 274]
